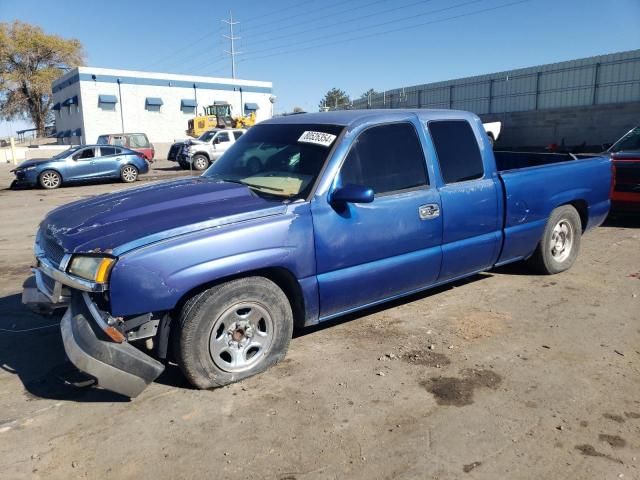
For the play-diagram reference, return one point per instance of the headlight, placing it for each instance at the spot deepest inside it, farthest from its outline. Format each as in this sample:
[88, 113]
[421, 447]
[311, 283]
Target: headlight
[96, 269]
[26, 169]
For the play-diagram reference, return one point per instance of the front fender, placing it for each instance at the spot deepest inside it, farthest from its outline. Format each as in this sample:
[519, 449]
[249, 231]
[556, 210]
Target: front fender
[157, 276]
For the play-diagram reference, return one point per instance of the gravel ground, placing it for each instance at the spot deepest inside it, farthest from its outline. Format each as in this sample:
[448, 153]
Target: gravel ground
[504, 375]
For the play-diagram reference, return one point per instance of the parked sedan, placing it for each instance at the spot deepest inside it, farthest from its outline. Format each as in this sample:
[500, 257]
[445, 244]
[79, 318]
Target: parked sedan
[82, 163]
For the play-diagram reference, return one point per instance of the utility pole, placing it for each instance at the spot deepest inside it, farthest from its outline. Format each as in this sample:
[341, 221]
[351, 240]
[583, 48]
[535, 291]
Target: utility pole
[232, 39]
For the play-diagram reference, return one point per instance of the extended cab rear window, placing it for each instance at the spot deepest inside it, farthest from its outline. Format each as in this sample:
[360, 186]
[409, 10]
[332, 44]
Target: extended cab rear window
[457, 149]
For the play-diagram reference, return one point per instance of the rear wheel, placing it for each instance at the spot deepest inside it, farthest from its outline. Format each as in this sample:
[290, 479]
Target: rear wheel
[50, 179]
[129, 174]
[233, 331]
[200, 162]
[560, 243]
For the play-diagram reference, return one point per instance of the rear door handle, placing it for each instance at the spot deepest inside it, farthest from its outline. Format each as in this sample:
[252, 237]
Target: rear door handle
[429, 211]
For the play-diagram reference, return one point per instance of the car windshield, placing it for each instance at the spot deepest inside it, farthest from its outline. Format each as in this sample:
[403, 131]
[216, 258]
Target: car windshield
[277, 160]
[630, 142]
[66, 153]
[206, 136]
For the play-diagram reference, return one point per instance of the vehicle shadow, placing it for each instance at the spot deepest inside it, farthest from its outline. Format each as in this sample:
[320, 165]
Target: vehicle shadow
[622, 221]
[302, 331]
[31, 348]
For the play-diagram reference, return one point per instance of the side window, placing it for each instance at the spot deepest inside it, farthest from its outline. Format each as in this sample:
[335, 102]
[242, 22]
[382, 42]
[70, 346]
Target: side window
[138, 141]
[237, 134]
[457, 150]
[118, 141]
[222, 137]
[86, 153]
[387, 158]
[105, 151]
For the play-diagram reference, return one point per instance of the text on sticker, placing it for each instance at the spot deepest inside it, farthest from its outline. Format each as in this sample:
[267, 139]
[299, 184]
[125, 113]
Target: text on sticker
[317, 138]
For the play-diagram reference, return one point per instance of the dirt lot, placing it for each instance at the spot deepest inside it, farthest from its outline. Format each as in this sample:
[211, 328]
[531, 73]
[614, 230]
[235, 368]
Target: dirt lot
[506, 375]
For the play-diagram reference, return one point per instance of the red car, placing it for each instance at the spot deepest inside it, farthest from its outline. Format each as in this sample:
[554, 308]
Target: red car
[625, 154]
[133, 141]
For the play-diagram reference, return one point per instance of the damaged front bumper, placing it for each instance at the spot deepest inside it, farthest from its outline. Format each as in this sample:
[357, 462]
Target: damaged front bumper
[119, 367]
[88, 334]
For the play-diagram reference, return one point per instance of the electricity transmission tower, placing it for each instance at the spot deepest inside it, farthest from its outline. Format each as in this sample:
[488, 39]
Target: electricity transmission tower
[231, 39]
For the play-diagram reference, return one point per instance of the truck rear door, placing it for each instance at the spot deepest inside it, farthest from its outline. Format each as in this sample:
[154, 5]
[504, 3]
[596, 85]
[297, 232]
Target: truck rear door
[373, 251]
[470, 193]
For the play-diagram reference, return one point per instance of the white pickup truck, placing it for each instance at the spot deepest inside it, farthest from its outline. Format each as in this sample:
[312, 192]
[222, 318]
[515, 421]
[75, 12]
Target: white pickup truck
[201, 152]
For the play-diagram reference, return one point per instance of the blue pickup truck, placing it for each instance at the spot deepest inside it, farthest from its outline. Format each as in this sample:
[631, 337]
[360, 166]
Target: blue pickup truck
[305, 218]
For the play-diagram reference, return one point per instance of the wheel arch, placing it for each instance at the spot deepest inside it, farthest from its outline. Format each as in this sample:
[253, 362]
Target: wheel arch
[281, 276]
[582, 207]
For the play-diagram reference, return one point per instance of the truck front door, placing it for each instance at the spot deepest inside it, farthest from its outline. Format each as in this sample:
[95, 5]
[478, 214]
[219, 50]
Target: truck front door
[369, 252]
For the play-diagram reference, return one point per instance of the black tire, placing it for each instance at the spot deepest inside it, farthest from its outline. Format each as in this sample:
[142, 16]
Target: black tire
[49, 179]
[195, 336]
[200, 162]
[128, 173]
[548, 258]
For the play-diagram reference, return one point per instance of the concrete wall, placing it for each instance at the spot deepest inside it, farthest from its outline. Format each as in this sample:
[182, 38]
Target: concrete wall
[592, 125]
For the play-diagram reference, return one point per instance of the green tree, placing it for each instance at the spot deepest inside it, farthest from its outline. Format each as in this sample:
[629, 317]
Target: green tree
[334, 98]
[371, 92]
[30, 60]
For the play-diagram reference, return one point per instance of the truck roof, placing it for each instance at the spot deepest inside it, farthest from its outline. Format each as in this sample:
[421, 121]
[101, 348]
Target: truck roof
[352, 117]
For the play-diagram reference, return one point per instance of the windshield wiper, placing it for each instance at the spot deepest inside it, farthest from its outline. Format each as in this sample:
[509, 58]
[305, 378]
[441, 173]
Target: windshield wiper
[260, 188]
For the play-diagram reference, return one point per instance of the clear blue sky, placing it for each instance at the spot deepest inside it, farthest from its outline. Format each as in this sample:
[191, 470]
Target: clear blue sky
[307, 47]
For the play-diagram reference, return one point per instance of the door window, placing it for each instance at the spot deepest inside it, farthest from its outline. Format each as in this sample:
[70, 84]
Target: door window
[387, 158]
[138, 140]
[237, 134]
[457, 150]
[85, 154]
[222, 137]
[106, 151]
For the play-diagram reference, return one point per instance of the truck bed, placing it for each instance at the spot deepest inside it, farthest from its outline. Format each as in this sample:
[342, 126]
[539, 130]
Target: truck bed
[535, 183]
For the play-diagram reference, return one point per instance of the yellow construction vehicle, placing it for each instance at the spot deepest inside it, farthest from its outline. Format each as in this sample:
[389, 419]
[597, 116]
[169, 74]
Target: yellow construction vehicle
[218, 115]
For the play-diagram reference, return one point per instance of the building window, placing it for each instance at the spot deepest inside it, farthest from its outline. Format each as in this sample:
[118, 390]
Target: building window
[188, 105]
[153, 104]
[107, 102]
[250, 108]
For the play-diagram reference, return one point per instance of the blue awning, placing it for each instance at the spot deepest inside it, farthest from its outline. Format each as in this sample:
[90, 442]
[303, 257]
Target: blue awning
[107, 99]
[67, 133]
[70, 101]
[154, 101]
[77, 132]
[57, 106]
[187, 102]
[60, 134]
[251, 106]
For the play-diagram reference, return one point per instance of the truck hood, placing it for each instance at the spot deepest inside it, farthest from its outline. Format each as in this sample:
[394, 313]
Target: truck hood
[133, 218]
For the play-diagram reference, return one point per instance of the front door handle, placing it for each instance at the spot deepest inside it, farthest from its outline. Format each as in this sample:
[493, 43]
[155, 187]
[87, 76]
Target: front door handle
[429, 211]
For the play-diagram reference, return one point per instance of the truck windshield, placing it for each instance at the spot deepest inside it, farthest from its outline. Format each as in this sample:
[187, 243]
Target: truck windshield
[630, 142]
[206, 136]
[280, 160]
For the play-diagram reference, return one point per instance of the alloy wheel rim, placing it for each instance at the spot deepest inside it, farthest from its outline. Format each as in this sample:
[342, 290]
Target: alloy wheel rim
[129, 174]
[201, 164]
[50, 180]
[241, 337]
[561, 242]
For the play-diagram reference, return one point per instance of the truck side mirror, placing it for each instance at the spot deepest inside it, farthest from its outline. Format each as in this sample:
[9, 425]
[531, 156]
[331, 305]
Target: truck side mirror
[351, 193]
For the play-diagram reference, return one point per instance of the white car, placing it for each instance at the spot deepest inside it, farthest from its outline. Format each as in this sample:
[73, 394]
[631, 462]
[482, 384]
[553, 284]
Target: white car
[201, 152]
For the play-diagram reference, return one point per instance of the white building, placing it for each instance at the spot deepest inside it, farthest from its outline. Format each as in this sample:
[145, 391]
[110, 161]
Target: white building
[89, 102]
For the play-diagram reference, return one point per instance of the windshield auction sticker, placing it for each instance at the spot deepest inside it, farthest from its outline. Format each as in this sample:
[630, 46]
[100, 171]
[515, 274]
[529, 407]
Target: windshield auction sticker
[317, 138]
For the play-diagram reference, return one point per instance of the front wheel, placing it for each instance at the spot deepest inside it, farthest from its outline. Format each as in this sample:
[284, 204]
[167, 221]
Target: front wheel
[200, 162]
[50, 179]
[129, 174]
[560, 243]
[233, 331]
